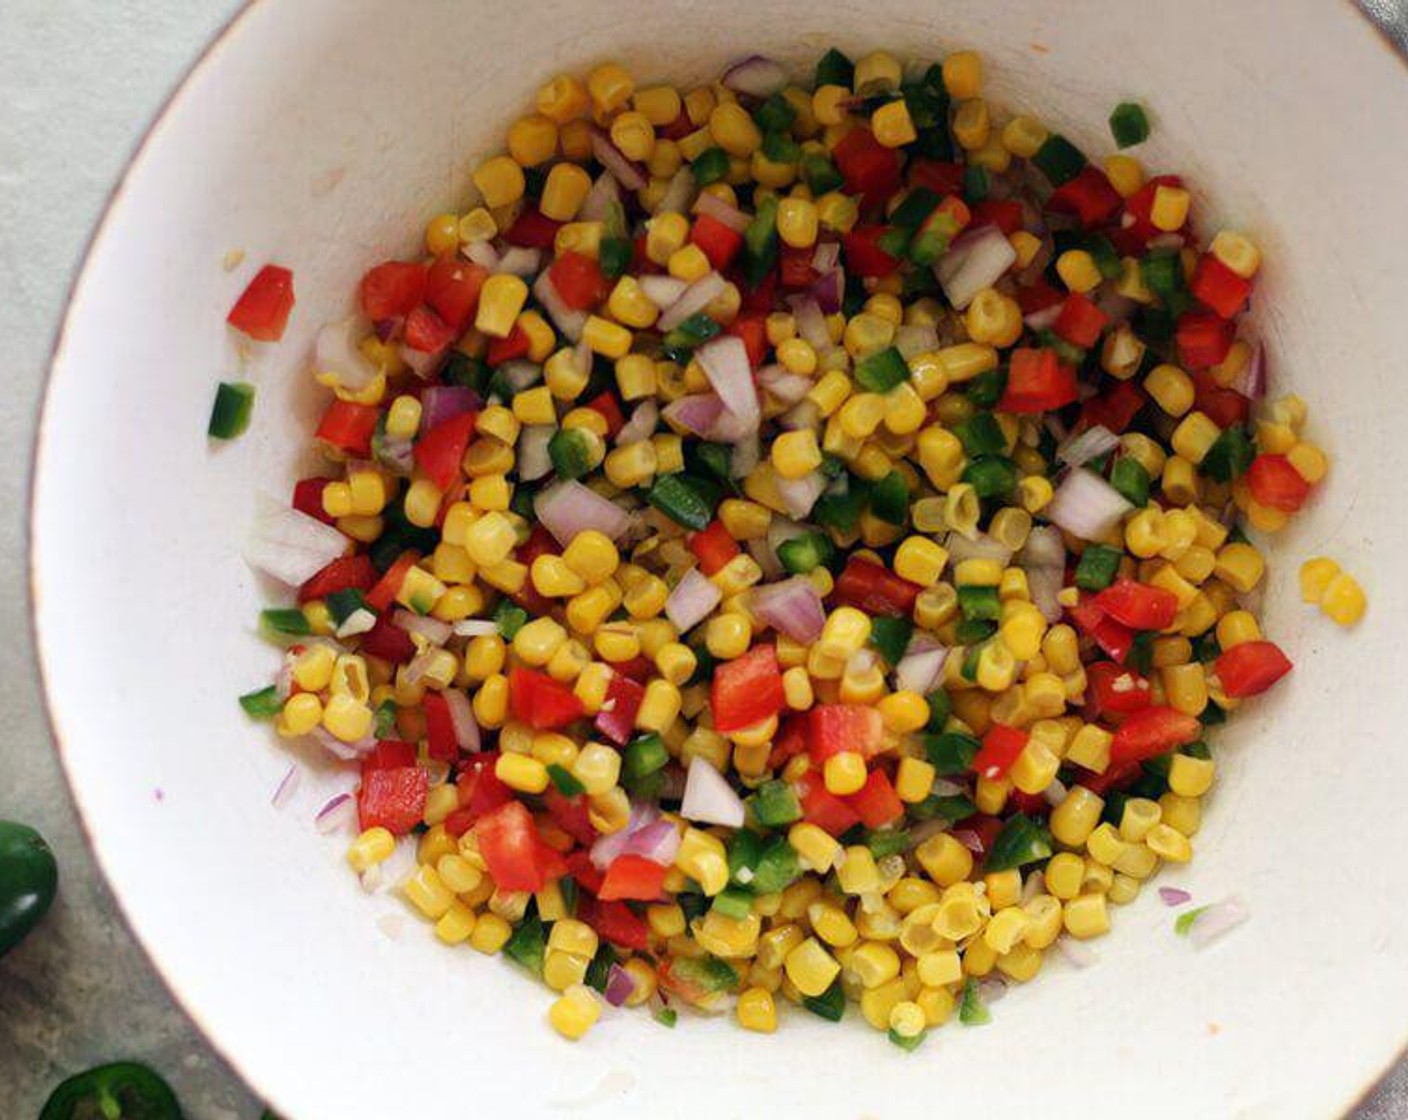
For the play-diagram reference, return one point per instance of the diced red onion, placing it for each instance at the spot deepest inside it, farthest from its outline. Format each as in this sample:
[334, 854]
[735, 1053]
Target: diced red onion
[921, 670]
[1033, 885]
[338, 749]
[396, 455]
[829, 290]
[1169, 240]
[708, 798]
[1044, 319]
[969, 839]
[520, 260]
[605, 849]
[981, 547]
[338, 811]
[520, 374]
[444, 402]
[1252, 380]
[1174, 896]
[811, 323]
[731, 216]
[677, 194]
[416, 669]
[533, 459]
[1040, 259]
[991, 989]
[827, 256]
[746, 455]
[755, 76]
[568, 320]
[286, 788]
[337, 352]
[283, 680]
[799, 495]
[388, 328]
[434, 631]
[421, 364]
[482, 253]
[942, 787]
[475, 627]
[462, 720]
[1090, 444]
[788, 388]
[761, 551]
[922, 830]
[692, 599]
[567, 508]
[641, 425]
[1044, 560]
[1055, 793]
[1078, 953]
[289, 545]
[662, 290]
[1044, 549]
[695, 298]
[597, 204]
[913, 339]
[610, 157]
[783, 529]
[977, 259]
[1044, 586]
[658, 841]
[725, 363]
[1116, 307]
[804, 414]
[620, 986]
[791, 607]
[1086, 506]
[1052, 423]
[696, 413]
[1218, 919]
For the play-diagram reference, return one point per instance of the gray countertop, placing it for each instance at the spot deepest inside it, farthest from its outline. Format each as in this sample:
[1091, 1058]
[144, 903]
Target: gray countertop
[79, 80]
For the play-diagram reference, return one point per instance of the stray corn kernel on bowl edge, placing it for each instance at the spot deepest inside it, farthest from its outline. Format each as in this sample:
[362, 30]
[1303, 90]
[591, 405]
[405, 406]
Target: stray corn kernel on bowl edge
[312, 137]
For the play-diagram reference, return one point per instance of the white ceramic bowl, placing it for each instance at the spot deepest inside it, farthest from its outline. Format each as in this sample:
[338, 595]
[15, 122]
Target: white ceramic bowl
[321, 134]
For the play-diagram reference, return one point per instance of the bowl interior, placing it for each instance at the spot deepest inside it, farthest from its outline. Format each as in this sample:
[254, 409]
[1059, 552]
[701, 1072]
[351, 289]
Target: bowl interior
[321, 135]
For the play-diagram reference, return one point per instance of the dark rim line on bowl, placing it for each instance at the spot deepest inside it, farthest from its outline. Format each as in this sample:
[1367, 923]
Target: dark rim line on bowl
[1393, 29]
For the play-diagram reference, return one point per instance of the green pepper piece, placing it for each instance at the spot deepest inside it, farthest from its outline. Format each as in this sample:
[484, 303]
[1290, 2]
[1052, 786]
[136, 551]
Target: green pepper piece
[775, 804]
[385, 720]
[666, 1016]
[971, 1012]
[644, 755]
[572, 451]
[709, 166]
[986, 389]
[229, 416]
[119, 1091]
[343, 604]
[733, 902]
[805, 553]
[1229, 456]
[681, 342]
[819, 173]
[564, 781]
[831, 1004]
[460, 369]
[951, 752]
[976, 183]
[509, 617]
[779, 147]
[1102, 251]
[940, 706]
[887, 842]
[777, 866]
[1059, 160]
[679, 501]
[979, 604]
[882, 371]
[1128, 124]
[1129, 477]
[890, 637]
[1162, 273]
[280, 623]
[1019, 841]
[917, 205]
[760, 244]
[775, 113]
[29, 877]
[991, 476]
[1097, 567]
[889, 499]
[973, 634]
[708, 973]
[835, 69]
[981, 435]
[263, 703]
[528, 945]
[842, 511]
[1196, 749]
[911, 1043]
[599, 970]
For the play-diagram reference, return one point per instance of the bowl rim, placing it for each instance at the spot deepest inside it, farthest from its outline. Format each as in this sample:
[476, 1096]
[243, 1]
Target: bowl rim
[1392, 35]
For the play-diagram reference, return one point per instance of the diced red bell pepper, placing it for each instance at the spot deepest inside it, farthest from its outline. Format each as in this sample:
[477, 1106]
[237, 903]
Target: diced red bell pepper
[1080, 321]
[390, 754]
[588, 877]
[571, 814]
[348, 427]
[1037, 382]
[874, 589]
[427, 332]
[714, 545]
[639, 668]
[869, 168]
[308, 498]
[720, 243]
[939, 176]
[1224, 407]
[833, 728]
[542, 702]
[1115, 638]
[1216, 286]
[532, 229]
[795, 268]
[825, 810]
[1139, 207]
[1004, 213]
[346, 572]
[1251, 668]
[440, 738]
[633, 877]
[1150, 732]
[452, 288]
[753, 330]
[1138, 605]
[513, 851]
[511, 348]
[790, 741]
[1001, 747]
[876, 803]
[1037, 297]
[747, 690]
[440, 452]
[605, 403]
[263, 308]
[393, 289]
[384, 593]
[983, 826]
[1112, 777]
[388, 641]
[1202, 339]
[1114, 409]
[1114, 690]
[678, 128]
[392, 798]
[863, 255]
[618, 923]
[759, 299]
[1274, 482]
[1089, 196]
[617, 718]
[579, 280]
[539, 543]
[480, 792]
[1033, 804]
